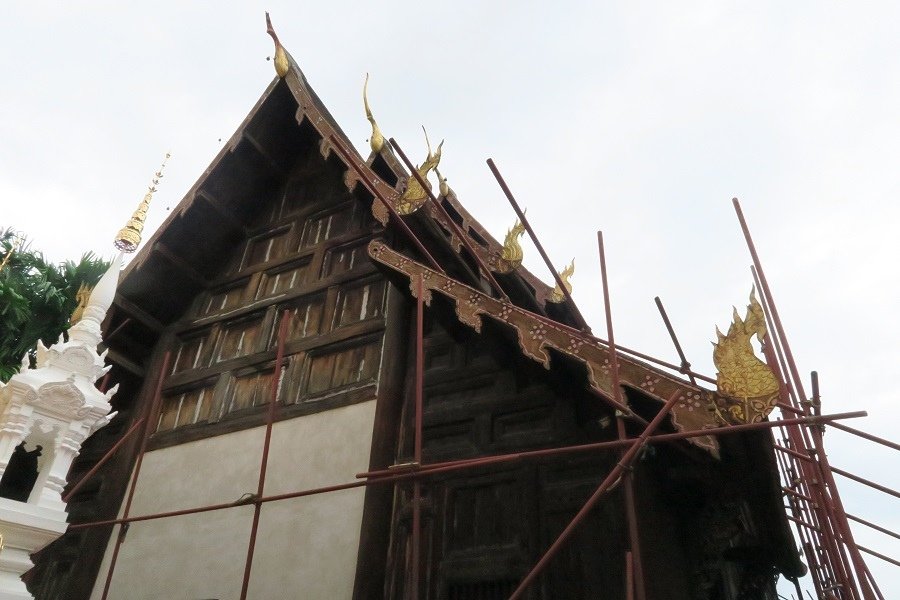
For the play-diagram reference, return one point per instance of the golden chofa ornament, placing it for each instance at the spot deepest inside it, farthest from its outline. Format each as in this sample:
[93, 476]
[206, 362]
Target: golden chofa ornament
[511, 256]
[282, 63]
[415, 195]
[557, 295]
[129, 237]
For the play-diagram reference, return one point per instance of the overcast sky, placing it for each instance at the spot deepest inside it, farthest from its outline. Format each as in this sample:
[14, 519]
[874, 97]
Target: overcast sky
[641, 119]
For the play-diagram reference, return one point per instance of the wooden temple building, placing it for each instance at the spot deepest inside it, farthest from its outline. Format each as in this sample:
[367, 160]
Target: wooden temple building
[319, 356]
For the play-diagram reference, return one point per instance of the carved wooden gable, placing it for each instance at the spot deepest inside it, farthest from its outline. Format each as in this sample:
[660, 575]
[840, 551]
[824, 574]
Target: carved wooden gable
[304, 252]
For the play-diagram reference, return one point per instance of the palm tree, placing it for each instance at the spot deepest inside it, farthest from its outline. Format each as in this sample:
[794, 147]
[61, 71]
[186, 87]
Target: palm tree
[36, 297]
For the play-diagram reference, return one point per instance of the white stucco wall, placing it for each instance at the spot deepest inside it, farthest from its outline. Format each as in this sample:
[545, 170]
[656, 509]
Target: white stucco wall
[306, 547]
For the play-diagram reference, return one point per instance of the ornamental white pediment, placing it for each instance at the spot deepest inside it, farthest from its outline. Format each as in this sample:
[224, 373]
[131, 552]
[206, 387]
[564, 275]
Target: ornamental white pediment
[75, 358]
[61, 398]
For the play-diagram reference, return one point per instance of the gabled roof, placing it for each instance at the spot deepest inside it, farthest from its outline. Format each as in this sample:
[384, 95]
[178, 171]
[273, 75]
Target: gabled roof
[182, 257]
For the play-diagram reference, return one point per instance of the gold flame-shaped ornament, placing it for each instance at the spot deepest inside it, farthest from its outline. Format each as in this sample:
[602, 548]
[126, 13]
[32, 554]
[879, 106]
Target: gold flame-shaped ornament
[414, 196]
[557, 294]
[376, 140]
[281, 59]
[83, 295]
[741, 375]
[511, 255]
[129, 237]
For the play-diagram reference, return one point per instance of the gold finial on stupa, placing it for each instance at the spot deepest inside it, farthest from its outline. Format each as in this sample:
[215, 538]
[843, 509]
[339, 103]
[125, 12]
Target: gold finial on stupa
[83, 295]
[130, 236]
[376, 140]
[557, 294]
[282, 63]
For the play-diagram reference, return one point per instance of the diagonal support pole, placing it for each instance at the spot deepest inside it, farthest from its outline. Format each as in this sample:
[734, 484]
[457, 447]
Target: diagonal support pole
[623, 464]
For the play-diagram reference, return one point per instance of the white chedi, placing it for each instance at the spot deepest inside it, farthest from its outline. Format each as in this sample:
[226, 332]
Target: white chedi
[56, 406]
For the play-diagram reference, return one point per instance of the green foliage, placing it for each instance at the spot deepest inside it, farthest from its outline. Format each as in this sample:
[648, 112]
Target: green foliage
[37, 298]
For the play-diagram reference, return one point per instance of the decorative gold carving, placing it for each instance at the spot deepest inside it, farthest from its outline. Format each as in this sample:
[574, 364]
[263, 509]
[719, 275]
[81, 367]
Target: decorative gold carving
[376, 140]
[511, 256]
[282, 62]
[557, 294]
[83, 295]
[536, 336]
[741, 375]
[415, 194]
[129, 237]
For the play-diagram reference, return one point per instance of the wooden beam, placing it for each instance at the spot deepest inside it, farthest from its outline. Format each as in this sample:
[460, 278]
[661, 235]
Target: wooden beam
[230, 220]
[119, 359]
[179, 263]
[257, 145]
[139, 314]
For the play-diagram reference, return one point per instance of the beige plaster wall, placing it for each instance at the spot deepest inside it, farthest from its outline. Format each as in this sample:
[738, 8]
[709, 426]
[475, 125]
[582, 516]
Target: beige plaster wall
[306, 547]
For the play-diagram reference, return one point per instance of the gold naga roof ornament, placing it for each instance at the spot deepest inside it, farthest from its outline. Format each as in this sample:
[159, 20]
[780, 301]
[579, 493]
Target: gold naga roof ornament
[281, 59]
[376, 140]
[83, 295]
[129, 237]
[557, 295]
[511, 255]
[741, 375]
[414, 196]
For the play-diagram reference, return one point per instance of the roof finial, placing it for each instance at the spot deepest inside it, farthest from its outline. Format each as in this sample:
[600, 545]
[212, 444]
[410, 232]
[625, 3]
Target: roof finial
[282, 64]
[415, 195]
[130, 236]
[557, 296]
[376, 140]
[443, 186]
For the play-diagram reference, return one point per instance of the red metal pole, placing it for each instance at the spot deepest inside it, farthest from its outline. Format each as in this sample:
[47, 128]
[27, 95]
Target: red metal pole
[420, 384]
[874, 526]
[463, 238]
[264, 461]
[822, 509]
[868, 436]
[102, 461]
[630, 511]
[537, 243]
[363, 177]
[667, 437]
[611, 445]
[810, 548]
[629, 576]
[834, 498]
[613, 476]
[863, 481]
[152, 411]
[685, 365]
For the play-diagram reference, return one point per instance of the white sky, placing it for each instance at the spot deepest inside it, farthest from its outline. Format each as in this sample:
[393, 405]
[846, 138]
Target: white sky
[641, 119]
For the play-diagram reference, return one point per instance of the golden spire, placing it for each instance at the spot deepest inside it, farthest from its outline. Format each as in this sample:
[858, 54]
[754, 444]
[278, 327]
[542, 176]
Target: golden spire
[130, 236]
[282, 64]
[376, 140]
[557, 295]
